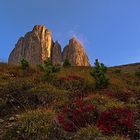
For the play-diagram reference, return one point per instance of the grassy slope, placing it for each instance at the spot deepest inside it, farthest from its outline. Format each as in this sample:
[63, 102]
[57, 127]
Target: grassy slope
[24, 95]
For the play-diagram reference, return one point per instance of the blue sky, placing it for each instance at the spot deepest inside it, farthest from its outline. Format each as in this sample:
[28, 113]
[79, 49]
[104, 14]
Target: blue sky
[109, 29]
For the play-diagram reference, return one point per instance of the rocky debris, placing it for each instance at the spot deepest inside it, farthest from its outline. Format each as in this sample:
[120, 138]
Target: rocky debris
[56, 53]
[75, 53]
[37, 46]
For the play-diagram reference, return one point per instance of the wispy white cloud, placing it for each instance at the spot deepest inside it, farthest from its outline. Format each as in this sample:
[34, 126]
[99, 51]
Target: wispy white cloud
[74, 32]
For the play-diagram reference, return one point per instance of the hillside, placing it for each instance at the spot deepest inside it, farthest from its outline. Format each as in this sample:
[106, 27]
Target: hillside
[67, 106]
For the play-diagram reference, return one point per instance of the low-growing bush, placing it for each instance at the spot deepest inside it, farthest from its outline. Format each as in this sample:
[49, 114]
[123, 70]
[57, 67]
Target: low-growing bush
[66, 63]
[47, 62]
[24, 64]
[48, 69]
[77, 115]
[99, 73]
[116, 120]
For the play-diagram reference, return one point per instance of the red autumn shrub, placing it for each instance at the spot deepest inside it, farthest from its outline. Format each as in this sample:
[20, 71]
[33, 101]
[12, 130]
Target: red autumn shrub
[118, 120]
[76, 115]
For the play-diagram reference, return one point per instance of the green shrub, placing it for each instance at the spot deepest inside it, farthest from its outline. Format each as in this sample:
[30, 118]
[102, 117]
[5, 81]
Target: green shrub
[66, 63]
[24, 64]
[49, 68]
[40, 66]
[48, 63]
[99, 73]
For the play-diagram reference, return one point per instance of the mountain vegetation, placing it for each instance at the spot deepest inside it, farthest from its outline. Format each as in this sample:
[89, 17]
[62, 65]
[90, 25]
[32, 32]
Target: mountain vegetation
[53, 102]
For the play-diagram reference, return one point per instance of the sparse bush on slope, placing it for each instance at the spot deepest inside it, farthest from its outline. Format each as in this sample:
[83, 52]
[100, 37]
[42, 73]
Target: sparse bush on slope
[66, 63]
[48, 69]
[24, 64]
[99, 73]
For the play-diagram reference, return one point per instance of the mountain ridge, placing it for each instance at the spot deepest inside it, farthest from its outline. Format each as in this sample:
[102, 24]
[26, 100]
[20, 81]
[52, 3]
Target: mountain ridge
[38, 45]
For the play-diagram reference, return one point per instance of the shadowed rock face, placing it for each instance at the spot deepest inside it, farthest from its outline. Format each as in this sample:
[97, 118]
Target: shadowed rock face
[56, 53]
[75, 53]
[37, 46]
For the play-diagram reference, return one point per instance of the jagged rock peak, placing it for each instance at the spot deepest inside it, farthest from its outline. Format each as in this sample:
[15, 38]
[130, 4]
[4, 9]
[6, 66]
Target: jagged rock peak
[38, 28]
[75, 53]
[35, 46]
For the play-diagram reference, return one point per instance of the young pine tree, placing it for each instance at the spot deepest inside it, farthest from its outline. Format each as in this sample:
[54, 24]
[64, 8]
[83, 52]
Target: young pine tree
[99, 73]
[24, 64]
[66, 63]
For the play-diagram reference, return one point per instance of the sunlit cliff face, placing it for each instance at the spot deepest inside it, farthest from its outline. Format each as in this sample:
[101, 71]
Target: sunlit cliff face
[46, 43]
[37, 46]
[49, 40]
